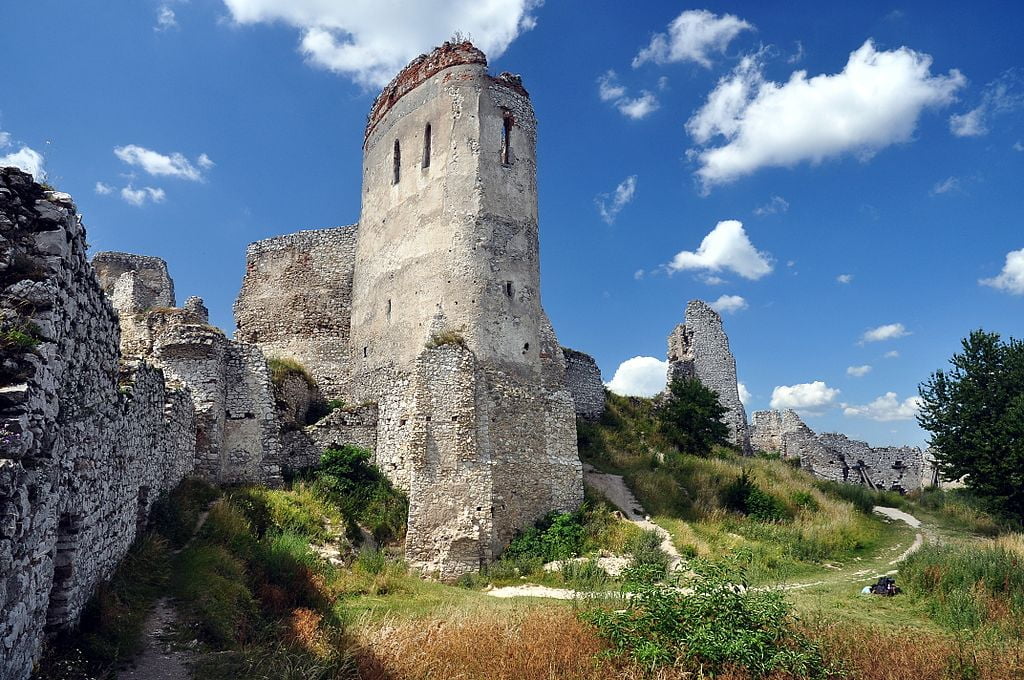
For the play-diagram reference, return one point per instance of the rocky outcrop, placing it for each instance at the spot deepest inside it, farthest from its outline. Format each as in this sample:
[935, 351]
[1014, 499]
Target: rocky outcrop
[699, 348]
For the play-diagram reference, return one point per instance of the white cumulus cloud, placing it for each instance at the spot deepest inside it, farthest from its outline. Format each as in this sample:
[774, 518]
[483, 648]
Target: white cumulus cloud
[138, 197]
[369, 41]
[844, 278]
[805, 397]
[692, 36]
[891, 354]
[875, 101]
[885, 408]
[610, 90]
[5, 139]
[729, 304]
[162, 165]
[726, 247]
[858, 371]
[639, 377]
[1011, 279]
[889, 331]
[103, 189]
[28, 159]
[745, 394]
[610, 205]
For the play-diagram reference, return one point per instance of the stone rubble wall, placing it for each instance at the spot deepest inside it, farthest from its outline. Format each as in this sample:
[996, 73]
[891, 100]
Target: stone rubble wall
[699, 349]
[583, 380]
[296, 301]
[239, 428]
[838, 458]
[469, 491]
[86, 445]
[356, 426]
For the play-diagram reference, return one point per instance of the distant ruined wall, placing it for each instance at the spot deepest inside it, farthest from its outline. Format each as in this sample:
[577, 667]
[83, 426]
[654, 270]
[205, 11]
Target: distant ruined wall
[85, 446]
[838, 458]
[583, 380]
[296, 301]
[238, 426]
[699, 349]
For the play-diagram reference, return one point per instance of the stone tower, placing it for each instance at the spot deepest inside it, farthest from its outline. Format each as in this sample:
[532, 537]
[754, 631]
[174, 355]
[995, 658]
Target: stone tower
[448, 335]
[699, 349]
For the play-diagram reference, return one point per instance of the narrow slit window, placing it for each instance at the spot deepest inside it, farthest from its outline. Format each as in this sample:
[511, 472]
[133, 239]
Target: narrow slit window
[426, 146]
[388, 310]
[506, 138]
[508, 288]
[398, 163]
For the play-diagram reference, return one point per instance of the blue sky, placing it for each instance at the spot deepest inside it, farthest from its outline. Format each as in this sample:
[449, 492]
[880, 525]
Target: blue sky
[187, 129]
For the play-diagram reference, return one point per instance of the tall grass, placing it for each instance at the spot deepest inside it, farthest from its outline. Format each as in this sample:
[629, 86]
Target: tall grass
[968, 586]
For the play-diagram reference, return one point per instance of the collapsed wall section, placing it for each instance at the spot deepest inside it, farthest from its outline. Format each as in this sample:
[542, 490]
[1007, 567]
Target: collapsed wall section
[85, 446]
[296, 301]
[699, 348]
[836, 457]
[583, 380]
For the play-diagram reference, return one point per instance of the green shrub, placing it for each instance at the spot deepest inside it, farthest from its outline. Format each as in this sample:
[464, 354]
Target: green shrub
[711, 625]
[283, 367]
[557, 536]
[746, 497]
[646, 550]
[690, 417]
[21, 337]
[362, 493]
[584, 575]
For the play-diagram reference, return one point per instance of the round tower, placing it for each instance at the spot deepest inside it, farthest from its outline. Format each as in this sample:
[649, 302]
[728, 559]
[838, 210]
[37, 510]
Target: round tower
[447, 243]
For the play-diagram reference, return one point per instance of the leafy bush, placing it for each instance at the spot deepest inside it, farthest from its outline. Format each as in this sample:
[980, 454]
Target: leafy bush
[691, 417]
[584, 575]
[558, 536]
[646, 550]
[362, 493]
[711, 625]
[745, 496]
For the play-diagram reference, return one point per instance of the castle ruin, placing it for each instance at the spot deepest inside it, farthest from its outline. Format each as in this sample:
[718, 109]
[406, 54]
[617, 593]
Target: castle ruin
[699, 348]
[424, 318]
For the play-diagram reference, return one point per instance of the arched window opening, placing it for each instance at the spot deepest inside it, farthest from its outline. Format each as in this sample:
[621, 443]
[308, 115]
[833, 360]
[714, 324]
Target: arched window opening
[506, 138]
[426, 146]
[398, 163]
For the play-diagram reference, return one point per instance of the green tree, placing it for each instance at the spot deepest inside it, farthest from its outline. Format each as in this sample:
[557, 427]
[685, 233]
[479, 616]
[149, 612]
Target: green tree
[975, 413]
[691, 417]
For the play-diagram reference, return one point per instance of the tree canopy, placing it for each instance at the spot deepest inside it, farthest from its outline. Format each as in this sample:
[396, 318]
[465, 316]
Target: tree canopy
[975, 413]
[691, 417]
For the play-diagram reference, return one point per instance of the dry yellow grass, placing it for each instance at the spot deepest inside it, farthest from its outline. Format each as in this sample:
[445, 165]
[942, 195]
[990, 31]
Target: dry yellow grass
[551, 643]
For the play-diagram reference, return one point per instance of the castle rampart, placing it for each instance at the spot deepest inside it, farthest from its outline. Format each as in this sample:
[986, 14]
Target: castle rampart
[87, 445]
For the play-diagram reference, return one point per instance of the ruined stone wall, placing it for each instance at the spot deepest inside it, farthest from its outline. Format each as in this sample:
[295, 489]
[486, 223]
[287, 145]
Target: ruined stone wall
[470, 488]
[85, 447]
[296, 301]
[836, 457]
[699, 349]
[583, 380]
[239, 435]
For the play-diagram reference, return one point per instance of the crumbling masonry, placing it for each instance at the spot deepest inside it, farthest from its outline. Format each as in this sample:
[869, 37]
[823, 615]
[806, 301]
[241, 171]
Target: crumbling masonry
[425, 318]
[699, 348]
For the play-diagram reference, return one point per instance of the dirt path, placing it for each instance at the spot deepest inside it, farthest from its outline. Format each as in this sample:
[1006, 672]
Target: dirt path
[159, 660]
[614, 488]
